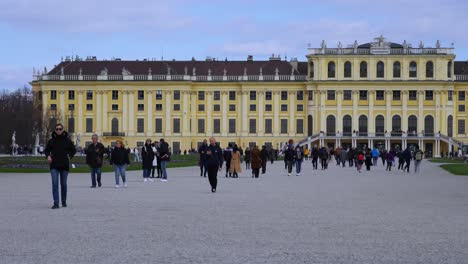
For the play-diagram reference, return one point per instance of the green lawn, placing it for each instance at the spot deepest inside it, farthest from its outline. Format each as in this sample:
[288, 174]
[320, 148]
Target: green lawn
[439, 160]
[456, 169]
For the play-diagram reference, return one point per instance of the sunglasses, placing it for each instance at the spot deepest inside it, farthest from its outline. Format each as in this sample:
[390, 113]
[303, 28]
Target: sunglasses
[58, 129]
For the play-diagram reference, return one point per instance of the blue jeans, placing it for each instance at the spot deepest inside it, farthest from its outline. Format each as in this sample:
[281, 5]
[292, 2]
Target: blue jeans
[120, 171]
[63, 185]
[95, 171]
[298, 166]
[146, 173]
[163, 169]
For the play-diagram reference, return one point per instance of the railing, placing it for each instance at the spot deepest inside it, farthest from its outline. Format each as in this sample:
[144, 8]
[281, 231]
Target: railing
[367, 51]
[113, 134]
[461, 77]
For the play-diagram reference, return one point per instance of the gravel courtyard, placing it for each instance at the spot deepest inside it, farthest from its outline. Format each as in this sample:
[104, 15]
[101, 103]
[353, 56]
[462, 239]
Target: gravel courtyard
[331, 216]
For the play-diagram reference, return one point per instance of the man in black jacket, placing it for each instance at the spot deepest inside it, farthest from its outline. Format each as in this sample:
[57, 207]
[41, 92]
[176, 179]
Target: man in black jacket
[165, 157]
[264, 156]
[214, 162]
[94, 159]
[59, 151]
[202, 162]
[227, 157]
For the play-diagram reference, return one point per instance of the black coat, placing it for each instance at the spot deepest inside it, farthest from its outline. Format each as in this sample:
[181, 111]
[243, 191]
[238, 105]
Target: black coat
[95, 155]
[247, 156]
[289, 154]
[164, 151]
[61, 150]
[119, 156]
[147, 156]
[215, 159]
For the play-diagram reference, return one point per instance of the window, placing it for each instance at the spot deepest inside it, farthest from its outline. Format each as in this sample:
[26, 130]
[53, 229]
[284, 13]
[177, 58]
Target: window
[461, 126]
[268, 96]
[331, 124]
[176, 125]
[114, 125]
[300, 126]
[396, 69]
[429, 124]
[363, 69]
[216, 108]
[284, 126]
[253, 107]
[379, 124]
[450, 126]
[429, 69]
[449, 69]
[413, 70]
[347, 95]
[380, 69]
[115, 107]
[396, 95]
[115, 95]
[311, 69]
[201, 125]
[159, 95]
[268, 126]
[71, 125]
[53, 95]
[461, 108]
[71, 107]
[284, 95]
[252, 125]
[413, 95]
[380, 95]
[413, 124]
[284, 107]
[347, 69]
[268, 108]
[141, 107]
[347, 125]
[362, 124]
[141, 95]
[89, 125]
[300, 108]
[396, 123]
[89, 95]
[429, 95]
[331, 69]
[89, 107]
[461, 95]
[158, 125]
[201, 95]
[53, 107]
[71, 95]
[362, 95]
[330, 95]
[450, 95]
[232, 125]
[201, 107]
[300, 95]
[216, 126]
[176, 107]
[310, 95]
[159, 107]
[232, 107]
[232, 95]
[140, 125]
[253, 95]
[217, 95]
[176, 95]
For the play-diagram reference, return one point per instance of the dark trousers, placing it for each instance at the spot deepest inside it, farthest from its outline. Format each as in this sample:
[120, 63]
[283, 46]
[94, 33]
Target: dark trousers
[351, 162]
[290, 165]
[256, 172]
[389, 166]
[159, 170]
[285, 164]
[94, 172]
[213, 176]
[56, 176]
[152, 171]
[401, 164]
[324, 163]
[338, 160]
[383, 161]
[315, 162]
[203, 168]
[264, 162]
[408, 162]
[228, 165]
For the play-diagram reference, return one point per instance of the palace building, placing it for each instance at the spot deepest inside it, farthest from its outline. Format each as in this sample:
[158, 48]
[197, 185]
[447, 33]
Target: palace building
[380, 94]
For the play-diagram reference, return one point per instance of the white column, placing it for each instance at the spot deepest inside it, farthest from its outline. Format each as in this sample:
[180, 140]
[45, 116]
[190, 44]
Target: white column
[105, 120]
[316, 115]
[193, 112]
[371, 118]
[98, 111]
[245, 123]
[185, 108]
[355, 108]
[420, 111]
[167, 94]
[388, 114]
[261, 118]
[131, 113]
[437, 119]
[404, 116]
[339, 116]
[125, 116]
[62, 106]
[80, 113]
[323, 116]
[45, 108]
[209, 107]
[149, 113]
[276, 119]
[292, 127]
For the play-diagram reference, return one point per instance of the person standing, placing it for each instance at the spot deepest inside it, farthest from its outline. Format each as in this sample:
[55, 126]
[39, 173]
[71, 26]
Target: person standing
[202, 161]
[147, 157]
[137, 154]
[59, 151]
[306, 154]
[165, 157]
[227, 154]
[94, 159]
[360, 161]
[344, 156]
[368, 156]
[375, 156]
[389, 158]
[265, 156]
[120, 160]
[323, 154]
[407, 156]
[289, 156]
[418, 156]
[235, 166]
[298, 158]
[214, 162]
[315, 155]
[256, 162]
[155, 159]
[247, 158]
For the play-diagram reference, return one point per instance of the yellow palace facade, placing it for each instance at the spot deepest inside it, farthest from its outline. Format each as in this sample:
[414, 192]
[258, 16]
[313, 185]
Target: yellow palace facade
[380, 94]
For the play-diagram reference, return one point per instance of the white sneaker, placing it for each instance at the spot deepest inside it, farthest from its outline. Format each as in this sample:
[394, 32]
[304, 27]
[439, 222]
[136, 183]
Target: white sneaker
[164, 180]
[125, 185]
[151, 180]
[289, 174]
[117, 186]
[145, 179]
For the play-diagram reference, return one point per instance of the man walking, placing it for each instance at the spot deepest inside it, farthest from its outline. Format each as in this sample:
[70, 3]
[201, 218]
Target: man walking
[418, 156]
[94, 159]
[165, 157]
[59, 151]
[202, 162]
[289, 155]
[214, 162]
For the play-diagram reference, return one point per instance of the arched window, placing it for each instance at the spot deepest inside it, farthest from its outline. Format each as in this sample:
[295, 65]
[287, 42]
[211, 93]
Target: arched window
[347, 69]
[429, 125]
[347, 125]
[363, 69]
[331, 69]
[71, 125]
[311, 70]
[331, 125]
[396, 125]
[380, 69]
[413, 125]
[310, 124]
[450, 126]
[379, 125]
[396, 69]
[449, 69]
[429, 69]
[115, 126]
[413, 69]
[363, 125]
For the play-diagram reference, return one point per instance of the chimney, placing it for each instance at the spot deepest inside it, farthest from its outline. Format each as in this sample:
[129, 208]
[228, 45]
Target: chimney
[249, 58]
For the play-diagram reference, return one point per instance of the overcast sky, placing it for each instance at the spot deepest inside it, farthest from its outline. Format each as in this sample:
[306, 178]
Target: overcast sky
[37, 33]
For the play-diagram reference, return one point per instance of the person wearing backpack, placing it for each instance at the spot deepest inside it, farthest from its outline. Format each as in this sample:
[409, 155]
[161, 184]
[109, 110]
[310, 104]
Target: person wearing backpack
[360, 161]
[418, 156]
[298, 157]
[368, 159]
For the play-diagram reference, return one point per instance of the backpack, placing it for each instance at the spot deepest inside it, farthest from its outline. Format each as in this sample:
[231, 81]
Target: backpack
[361, 157]
[418, 155]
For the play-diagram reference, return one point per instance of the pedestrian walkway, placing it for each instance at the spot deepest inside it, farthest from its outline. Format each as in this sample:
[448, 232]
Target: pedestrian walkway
[331, 216]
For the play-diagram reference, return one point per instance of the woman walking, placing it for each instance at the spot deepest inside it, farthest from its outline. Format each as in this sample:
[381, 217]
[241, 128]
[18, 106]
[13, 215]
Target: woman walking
[147, 156]
[298, 157]
[120, 159]
[256, 162]
[235, 166]
[389, 158]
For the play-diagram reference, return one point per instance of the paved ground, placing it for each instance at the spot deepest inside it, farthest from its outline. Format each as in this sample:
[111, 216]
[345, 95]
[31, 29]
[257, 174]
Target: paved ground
[333, 216]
